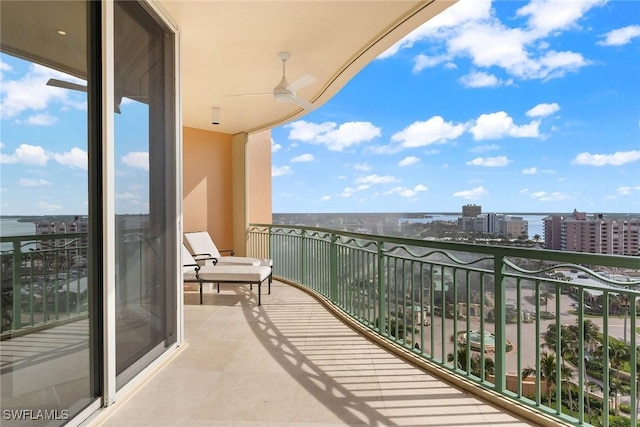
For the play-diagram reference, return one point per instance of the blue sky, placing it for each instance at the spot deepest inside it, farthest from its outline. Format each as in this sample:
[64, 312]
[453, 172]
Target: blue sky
[43, 148]
[516, 106]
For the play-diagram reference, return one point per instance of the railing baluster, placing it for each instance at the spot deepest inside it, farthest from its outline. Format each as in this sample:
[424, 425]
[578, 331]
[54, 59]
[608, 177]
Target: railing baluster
[499, 324]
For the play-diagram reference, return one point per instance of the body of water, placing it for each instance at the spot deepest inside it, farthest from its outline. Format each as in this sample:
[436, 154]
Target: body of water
[13, 227]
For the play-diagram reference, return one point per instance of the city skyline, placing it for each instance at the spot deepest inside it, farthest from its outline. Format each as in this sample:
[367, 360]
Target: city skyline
[491, 103]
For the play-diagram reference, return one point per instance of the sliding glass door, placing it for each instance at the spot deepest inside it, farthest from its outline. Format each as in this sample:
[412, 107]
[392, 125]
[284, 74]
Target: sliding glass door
[88, 250]
[51, 332]
[145, 153]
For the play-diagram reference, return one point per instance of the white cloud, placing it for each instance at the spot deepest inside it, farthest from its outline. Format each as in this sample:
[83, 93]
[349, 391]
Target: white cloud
[31, 92]
[479, 79]
[325, 198]
[376, 179]
[334, 137]
[626, 191]
[543, 110]
[544, 196]
[275, 147]
[620, 36]
[484, 148]
[499, 125]
[530, 171]
[474, 193]
[421, 61]
[408, 161]
[303, 158]
[616, 159]
[75, 158]
[452, 17]
[27, 182]
[280, 170]
[26, 154]
[137, 159]
[48, 206]
[433, 131]
[489, 161]
[41, 120]
[350, 191]
[470, 29]
[362, 167]
[408, 192]
[127, 196]
[549, 16]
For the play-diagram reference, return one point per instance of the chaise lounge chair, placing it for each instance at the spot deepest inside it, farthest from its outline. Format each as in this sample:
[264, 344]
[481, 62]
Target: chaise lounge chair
[241, 274]
[205, 252]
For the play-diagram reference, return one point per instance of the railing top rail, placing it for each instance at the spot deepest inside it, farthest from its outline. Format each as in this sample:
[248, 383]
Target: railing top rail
[618, 261]
[40, 237]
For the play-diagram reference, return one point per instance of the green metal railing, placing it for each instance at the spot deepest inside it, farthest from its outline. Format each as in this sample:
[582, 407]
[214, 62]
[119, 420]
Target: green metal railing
[44, 280]
[536, 326]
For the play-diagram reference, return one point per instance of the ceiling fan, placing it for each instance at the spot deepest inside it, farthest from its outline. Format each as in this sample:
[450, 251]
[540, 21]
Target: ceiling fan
[83, 88]
[286, 92]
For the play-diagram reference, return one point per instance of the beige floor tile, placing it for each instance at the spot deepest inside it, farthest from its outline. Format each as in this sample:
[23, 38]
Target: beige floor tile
[290, 363]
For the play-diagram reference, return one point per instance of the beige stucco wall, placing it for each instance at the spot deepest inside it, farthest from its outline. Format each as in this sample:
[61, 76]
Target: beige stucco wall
[207, 185]
[259, 177]
[226, 184]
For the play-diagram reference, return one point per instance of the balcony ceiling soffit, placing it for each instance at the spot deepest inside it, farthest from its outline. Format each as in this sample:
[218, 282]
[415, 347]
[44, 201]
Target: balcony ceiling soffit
[230, 47]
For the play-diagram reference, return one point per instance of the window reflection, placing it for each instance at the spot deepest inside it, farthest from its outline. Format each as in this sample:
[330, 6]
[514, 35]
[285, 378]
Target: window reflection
[47, 324]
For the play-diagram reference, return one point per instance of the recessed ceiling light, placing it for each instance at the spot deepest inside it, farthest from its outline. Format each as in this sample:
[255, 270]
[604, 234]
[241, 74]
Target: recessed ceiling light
[62, 33]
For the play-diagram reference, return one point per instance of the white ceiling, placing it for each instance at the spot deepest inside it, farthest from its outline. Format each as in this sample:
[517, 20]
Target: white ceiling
[230, 47]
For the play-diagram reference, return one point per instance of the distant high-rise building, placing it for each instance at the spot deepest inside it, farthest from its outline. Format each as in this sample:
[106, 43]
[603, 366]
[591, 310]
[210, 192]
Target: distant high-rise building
[471, 211]
[493, 223]
[578, 233]
[76, 243]
[513, 227]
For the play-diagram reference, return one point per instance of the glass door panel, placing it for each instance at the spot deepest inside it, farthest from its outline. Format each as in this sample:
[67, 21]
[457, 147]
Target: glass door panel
[144, 186]
[50, 334]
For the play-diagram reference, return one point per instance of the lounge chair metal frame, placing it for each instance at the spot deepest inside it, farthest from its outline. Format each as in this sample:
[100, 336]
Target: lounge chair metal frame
[226, 271]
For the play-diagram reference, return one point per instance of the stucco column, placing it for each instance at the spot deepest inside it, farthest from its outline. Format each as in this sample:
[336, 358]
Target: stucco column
[240, 192]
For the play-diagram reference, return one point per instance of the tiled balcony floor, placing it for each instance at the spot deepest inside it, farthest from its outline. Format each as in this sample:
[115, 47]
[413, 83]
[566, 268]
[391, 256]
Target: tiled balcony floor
[290, 363]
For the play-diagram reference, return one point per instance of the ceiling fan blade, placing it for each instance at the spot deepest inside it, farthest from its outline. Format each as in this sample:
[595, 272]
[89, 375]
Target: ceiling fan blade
[66, 85]
[303, 103]
[240, 95]
[303, 81]
[74, 86]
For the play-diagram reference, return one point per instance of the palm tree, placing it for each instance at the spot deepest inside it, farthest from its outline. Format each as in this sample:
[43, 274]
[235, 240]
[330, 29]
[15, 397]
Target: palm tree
[546, 295]
[569, 350]
[547, 372]
[618, 353]
[476, 362]
[591, 387]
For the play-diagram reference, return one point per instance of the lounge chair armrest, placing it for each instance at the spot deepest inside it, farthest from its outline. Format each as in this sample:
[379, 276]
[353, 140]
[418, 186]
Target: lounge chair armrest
[205, 257]
[229, 251]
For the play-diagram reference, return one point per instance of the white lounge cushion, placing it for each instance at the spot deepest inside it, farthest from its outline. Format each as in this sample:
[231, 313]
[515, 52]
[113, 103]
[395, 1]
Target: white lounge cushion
[201, 245]
[241, 260]
[231, 273]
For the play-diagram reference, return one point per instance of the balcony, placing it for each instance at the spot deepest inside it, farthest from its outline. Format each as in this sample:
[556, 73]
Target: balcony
[377, 330]
[290, 361]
